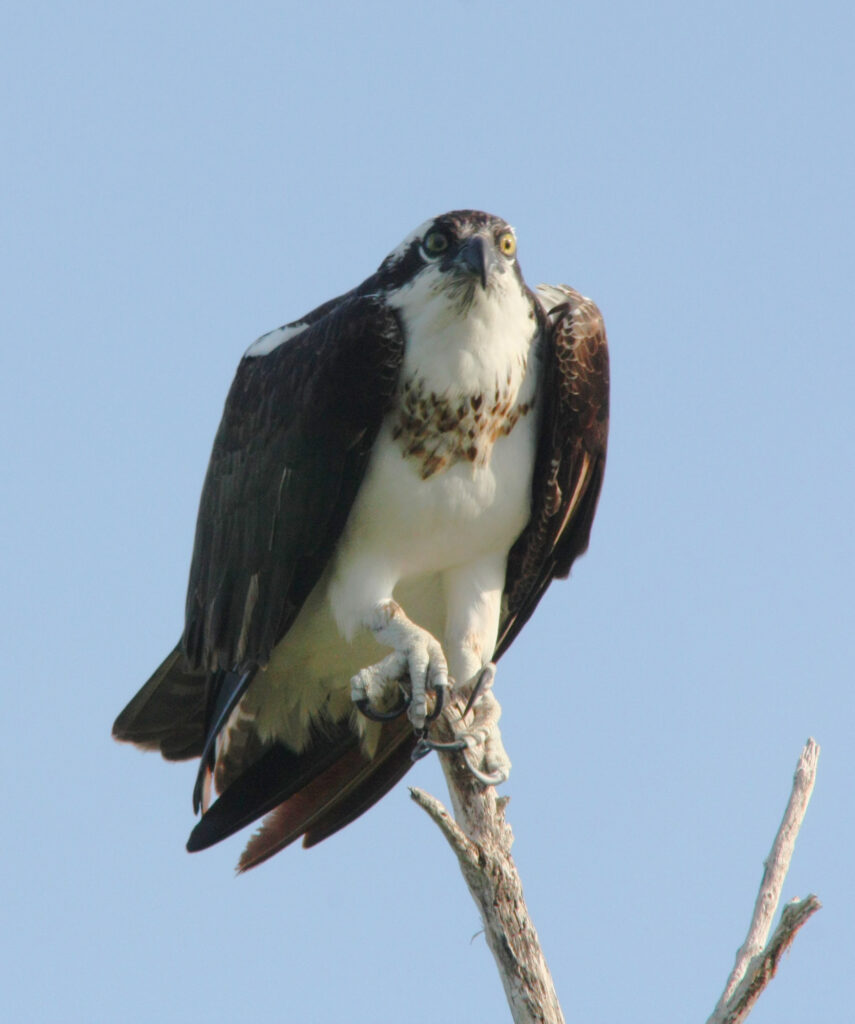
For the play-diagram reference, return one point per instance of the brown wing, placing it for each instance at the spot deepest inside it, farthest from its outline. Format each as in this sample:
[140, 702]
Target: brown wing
[288, 459]
[289, 455]
[570, 459]
[168, 713]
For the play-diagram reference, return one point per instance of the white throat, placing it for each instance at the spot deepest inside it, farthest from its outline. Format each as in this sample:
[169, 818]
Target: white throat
[457, 349]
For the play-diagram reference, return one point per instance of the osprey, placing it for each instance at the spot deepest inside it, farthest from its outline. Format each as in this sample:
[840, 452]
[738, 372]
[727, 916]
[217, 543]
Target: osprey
[396, 480]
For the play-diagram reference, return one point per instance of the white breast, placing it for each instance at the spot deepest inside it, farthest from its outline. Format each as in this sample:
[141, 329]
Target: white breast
[404, 526]
[420, 540]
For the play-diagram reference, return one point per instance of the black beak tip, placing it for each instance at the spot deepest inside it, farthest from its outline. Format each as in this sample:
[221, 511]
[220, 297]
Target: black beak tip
[475, 257]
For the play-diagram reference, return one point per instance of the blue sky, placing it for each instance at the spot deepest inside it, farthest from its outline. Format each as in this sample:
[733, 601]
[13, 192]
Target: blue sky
[178, 179]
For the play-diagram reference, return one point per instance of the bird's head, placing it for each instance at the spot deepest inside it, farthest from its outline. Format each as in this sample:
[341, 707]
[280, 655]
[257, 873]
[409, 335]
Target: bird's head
[461, 256]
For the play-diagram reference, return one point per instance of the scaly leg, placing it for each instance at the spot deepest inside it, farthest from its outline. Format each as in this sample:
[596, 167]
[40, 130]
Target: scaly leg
[416, 654]
[473, 594]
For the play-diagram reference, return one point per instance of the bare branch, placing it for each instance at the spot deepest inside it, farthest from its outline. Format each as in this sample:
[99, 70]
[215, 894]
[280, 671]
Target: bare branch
[756, 966]
[467, 852]
[762, 968]
[481, 839]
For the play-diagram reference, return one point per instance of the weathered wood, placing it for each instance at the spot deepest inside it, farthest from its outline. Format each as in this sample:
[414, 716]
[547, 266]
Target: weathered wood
[757, 962]
[483, 849]
[481, 838]
[761, 968]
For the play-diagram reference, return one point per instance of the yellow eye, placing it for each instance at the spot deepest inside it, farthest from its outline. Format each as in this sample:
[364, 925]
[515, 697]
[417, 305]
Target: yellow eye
[435, 243]
[507, 244]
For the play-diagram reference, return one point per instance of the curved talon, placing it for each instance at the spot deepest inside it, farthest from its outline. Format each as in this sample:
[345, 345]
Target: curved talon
[420, 750]
[452, 746]
[364, 707]
[487, 674]
[424, 746]
[493, 779]
[439, 704]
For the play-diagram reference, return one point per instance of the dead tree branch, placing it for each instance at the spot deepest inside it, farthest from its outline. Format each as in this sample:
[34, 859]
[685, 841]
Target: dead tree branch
[481, 840]
[757, 962]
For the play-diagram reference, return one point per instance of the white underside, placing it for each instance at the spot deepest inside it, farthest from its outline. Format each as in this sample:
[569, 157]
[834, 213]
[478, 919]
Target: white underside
[437, 546]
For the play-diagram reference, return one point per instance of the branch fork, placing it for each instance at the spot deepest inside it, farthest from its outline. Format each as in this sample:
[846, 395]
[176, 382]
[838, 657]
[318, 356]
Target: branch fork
[481, 839]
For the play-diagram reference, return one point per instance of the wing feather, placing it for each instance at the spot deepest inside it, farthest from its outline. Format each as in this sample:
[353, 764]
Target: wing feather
[168, 712]
[288, 458]
[290, 453]
[571, 455]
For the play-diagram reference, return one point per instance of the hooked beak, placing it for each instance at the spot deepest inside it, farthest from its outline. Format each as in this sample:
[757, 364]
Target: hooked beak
[476, 257]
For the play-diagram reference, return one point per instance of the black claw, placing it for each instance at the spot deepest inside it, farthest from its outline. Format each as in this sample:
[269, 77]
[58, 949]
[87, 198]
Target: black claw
[495, 778]
[439, 703]
[365, 708]
[476, 690]
[425, 746]
[420, 750]
[453, 745]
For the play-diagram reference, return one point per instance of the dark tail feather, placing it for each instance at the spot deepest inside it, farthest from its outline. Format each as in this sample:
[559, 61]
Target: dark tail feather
[334, 798]
[168, 713]
[277, 775]
[371, 788]
[290, 819]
